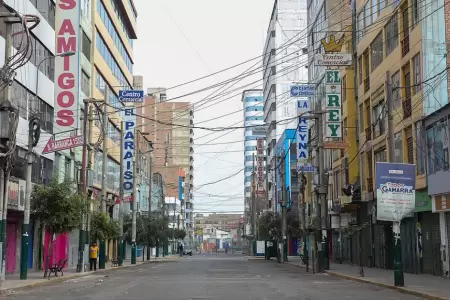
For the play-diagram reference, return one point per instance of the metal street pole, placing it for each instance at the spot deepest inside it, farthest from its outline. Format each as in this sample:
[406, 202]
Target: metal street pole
[102, 254]
[253, 246]
[86, 174]
[283, 211]
[121, 195]
[399, 279]
[33, 139]
[302, 179]
[150, 179]
[134, 208]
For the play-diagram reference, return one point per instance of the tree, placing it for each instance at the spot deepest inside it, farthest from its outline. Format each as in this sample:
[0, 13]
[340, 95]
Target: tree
[103, 227]
[180, 234]
[58, 208]
[269, 226]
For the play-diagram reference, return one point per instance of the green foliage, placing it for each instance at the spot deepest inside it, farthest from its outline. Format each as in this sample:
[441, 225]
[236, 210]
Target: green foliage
[103, 227]
[352, 230]
[269, 226]
[149, 229]
[57, 206]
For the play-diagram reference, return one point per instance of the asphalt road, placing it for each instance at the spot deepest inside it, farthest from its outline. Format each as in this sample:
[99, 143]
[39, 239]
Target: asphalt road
[209, 277]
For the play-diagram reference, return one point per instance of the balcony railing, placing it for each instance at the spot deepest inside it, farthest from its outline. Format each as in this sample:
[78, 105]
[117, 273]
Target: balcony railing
[407, 109]
[405, 45]
[366, 84]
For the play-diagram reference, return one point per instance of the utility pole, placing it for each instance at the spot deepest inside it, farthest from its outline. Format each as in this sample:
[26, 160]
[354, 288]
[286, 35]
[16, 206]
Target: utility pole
[86, 173]
[253, 246]
[283, 211]
[134, 206]
[9, 121]
[102, 254]
[34, 130]
[302, 204]
[399, 279]
[121, 195]
[150, 184]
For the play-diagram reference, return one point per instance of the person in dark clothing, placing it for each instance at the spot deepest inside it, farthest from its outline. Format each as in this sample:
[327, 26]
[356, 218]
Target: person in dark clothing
[180, 248]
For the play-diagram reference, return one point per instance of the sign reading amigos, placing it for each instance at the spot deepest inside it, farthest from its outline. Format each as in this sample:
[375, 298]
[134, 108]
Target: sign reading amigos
[396, 190]
[67, 29]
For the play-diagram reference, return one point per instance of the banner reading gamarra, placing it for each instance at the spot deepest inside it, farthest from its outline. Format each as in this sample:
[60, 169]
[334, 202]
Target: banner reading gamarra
[396, 190]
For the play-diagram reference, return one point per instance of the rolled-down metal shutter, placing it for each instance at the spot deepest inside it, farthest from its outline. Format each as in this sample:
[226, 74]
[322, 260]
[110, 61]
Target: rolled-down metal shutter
[377, 245]
[447, 220]
[431, 258]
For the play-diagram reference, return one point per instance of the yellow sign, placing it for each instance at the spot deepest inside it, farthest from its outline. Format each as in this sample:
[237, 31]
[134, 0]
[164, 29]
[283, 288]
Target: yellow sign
[332, 46]
[336, 145]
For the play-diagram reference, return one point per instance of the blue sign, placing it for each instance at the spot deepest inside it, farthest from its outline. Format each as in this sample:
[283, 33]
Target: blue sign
[303, 90]
[180, 188]
[396, 190]
[128, 149]
[307, 168]
[131, 96]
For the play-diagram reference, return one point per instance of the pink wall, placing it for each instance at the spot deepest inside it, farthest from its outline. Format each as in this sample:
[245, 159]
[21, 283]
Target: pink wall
[60, 248]
[11, 247]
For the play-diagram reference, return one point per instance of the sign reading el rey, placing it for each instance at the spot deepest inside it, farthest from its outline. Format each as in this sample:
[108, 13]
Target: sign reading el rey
[333, 104]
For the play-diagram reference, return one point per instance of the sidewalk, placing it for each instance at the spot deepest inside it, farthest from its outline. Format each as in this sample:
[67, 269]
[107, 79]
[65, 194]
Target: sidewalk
[421, 285]
[35, 278]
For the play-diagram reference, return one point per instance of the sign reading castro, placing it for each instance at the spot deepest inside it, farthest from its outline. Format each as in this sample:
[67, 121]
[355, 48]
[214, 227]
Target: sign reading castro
[131, 96]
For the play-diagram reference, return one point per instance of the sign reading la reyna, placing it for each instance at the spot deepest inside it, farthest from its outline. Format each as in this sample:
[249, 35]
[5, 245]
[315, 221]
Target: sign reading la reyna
[302, 133]
[67, 30]
[333, 104]
[131, 96]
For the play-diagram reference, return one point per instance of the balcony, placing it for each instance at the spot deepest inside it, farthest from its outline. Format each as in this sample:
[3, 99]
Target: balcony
[367, 84]
[405, 45]
[407, 109]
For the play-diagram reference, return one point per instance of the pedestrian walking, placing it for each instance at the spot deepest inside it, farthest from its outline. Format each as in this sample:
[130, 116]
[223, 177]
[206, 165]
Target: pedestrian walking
[93, 254]
[180, 248]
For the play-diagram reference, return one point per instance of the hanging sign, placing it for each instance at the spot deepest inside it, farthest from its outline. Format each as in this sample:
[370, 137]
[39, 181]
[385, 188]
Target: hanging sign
[333, 104]
[260, 166]
[128, 149]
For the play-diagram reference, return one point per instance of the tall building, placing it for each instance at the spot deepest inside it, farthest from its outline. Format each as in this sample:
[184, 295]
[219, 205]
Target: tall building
[169, 127]
[113, 31]
[33, 92]
[254, 122]
[284, 64]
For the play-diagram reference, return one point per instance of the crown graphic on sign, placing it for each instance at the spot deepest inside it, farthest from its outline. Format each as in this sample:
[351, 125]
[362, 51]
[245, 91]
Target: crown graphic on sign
[333, 45]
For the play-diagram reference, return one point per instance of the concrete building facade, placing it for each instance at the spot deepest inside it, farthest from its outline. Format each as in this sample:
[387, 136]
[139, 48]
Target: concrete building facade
[284, 62]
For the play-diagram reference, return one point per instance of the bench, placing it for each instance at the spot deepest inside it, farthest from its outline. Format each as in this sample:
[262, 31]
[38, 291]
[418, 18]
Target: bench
[114, 262]
[59, 267]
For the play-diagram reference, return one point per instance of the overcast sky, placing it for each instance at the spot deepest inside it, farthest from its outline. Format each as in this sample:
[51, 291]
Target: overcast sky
[179, 41]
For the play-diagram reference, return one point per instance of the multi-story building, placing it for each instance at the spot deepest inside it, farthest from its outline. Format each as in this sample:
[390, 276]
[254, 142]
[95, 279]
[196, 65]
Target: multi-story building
[33, 92]
[220, 221]
[254, 122]
[284, 63]
[394, 57]
[169, 126]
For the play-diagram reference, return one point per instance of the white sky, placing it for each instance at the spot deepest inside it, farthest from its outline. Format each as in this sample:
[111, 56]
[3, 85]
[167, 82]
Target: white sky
[179, 41]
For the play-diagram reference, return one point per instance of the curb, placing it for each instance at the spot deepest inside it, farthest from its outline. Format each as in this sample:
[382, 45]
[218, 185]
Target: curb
[45, 282]
[389, 286]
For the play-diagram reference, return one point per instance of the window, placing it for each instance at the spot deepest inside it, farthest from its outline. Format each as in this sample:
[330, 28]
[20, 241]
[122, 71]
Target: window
[40, 52]
[377, 51]
[345, 127]
[19, 97]
[436, 135]
[253, 99]
[381, 5]
[256, 118]
[375, 10]
[86, 46]
[250, 148]
[409, 146]
[110, 60]
[85, 80]
[395, 86]
[250, 138]
[254, 108]
[67, 168]
[360, 26]
[114, 34]
[360, 71]
[362, 158]
[391, 38]
[47, 9]
[398, 147]
[415, 11]
[380, 155]
[379, 118]
[47, 114]
[121, 19]
[100, 83]
[367, 15]
[361, 118]
[420, 149]
[416, 74]
[113, 133]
